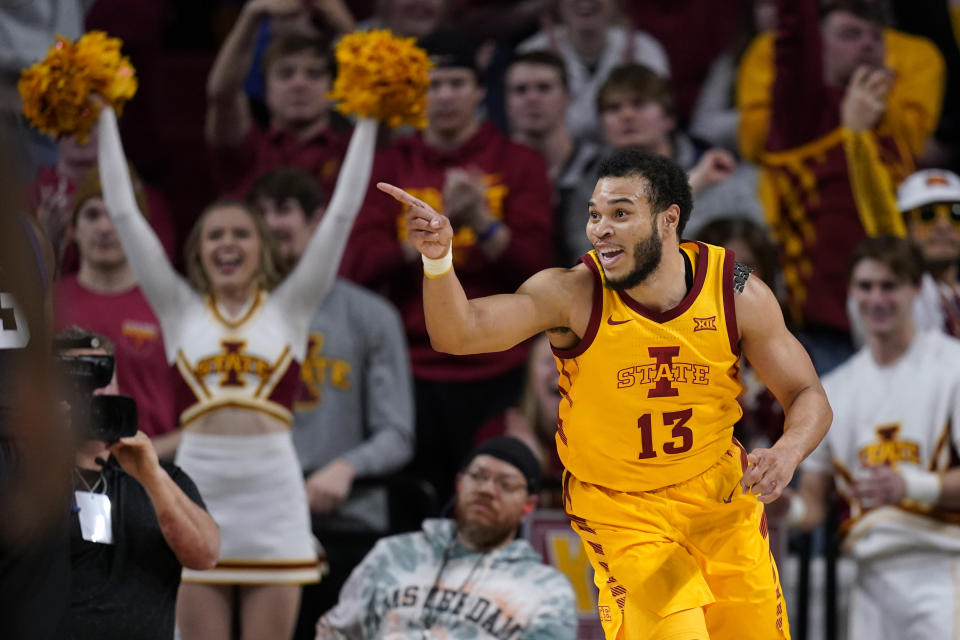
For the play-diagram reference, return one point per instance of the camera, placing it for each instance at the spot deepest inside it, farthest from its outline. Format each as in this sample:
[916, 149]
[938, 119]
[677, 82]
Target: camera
[102, 417]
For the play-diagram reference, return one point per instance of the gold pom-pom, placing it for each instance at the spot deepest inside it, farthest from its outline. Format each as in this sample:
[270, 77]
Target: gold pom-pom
[56, 90]
[382, 76]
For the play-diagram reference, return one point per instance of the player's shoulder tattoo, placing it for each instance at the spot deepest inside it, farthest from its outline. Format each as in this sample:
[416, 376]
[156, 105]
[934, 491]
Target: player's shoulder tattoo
[741, 273]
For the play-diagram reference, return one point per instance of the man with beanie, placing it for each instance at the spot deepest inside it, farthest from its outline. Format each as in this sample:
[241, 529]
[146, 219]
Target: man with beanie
[499, 200]
[466, 578]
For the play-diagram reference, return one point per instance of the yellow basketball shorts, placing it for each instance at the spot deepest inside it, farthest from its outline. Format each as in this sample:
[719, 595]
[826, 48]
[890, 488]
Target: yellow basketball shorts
[688, 561]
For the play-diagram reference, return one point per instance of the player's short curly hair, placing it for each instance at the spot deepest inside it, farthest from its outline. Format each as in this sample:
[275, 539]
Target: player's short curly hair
[667, 183]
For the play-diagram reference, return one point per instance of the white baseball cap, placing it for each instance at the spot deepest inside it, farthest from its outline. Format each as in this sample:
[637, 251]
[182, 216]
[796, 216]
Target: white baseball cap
[926, 187]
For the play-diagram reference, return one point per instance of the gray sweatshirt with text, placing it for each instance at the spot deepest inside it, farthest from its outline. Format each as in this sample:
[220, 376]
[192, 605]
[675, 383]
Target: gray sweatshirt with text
[356, 400]
[428, 585]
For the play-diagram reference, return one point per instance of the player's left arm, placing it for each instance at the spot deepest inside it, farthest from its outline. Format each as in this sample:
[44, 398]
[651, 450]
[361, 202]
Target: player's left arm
[785, 368]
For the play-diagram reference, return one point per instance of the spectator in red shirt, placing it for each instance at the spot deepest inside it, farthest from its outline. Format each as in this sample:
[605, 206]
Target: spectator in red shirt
[497, 194]
[103, 297]
[50, 199]
[298, 76]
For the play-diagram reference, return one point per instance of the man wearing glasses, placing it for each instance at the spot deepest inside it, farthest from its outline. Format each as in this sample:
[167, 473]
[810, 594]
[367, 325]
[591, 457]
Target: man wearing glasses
[930, 203]
[464, 578]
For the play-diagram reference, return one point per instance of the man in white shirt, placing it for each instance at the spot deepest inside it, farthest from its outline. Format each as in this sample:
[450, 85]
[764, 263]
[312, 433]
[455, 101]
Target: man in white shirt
[891, 455]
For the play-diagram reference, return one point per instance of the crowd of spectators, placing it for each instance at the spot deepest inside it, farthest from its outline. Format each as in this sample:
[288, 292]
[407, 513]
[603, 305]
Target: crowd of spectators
[805, 126]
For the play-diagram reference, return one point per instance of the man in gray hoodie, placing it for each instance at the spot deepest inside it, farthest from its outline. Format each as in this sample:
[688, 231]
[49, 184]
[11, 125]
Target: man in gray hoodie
[464, 578]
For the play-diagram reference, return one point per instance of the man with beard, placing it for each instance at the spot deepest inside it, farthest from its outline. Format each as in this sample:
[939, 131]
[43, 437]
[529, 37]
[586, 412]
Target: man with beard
[468, 578]
[647, 333]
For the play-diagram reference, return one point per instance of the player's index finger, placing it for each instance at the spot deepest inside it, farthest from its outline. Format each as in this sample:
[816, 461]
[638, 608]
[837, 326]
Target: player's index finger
[397, 193]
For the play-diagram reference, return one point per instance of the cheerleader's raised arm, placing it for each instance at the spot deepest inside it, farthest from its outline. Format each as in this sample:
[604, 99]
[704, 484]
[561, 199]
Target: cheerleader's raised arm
[165, 290]
[313, 278]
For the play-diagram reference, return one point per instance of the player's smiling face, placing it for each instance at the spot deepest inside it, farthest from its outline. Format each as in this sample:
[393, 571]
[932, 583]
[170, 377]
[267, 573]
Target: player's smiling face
[229, 248]
[624, 231]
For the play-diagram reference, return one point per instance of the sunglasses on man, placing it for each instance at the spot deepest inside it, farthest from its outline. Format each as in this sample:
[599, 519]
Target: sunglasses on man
[928, 213]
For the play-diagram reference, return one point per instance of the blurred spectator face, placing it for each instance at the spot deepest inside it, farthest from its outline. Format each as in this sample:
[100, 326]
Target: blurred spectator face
[629, 122]
[745, 255]
[765, 15]
[536, 99]
[297, 86]
[491, 496]
[849, 42]
[229, 248]
[96, 237]
[78, 154]
[935, 228]
[413, 18]
[290, 226]
[592, 15]
[452, 99]
[885, 302]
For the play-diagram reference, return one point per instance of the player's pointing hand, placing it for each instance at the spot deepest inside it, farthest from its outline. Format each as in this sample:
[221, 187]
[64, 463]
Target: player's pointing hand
[428, 231]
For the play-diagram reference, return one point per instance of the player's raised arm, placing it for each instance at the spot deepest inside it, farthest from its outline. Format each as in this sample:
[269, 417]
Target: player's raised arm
[784, 366]
[494, 323]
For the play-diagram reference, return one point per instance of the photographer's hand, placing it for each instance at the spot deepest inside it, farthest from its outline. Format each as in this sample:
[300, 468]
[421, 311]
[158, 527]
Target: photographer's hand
[189, 530]
[138, 457]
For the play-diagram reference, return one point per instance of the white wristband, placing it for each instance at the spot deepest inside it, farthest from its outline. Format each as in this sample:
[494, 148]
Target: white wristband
[797, 512]
[922, 487]
[434, 268]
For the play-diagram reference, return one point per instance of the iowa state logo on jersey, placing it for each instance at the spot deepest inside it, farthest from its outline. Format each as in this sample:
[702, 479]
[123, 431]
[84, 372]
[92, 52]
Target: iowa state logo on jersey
[663, 374]
[889, 449]
[233, 365]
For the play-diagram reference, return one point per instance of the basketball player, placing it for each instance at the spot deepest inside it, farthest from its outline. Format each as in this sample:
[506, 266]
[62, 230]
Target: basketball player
[647, 332]
[891, 454]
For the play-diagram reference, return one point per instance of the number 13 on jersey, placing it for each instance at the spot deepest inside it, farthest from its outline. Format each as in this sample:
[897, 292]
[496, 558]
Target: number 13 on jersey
[681, 434]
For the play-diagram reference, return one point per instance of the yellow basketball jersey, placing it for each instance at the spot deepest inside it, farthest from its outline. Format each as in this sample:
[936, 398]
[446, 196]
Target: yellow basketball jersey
[649, 399]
